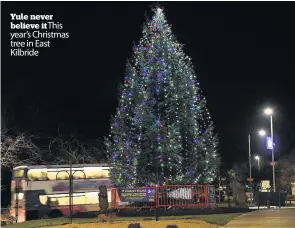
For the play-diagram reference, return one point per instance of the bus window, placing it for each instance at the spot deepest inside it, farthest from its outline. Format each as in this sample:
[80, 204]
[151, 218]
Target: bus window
[64, 175]
[96, 172]
[78, 175]
[58, 175]
[37, 174]
[43, 199]
[18, 173]
[63, 199]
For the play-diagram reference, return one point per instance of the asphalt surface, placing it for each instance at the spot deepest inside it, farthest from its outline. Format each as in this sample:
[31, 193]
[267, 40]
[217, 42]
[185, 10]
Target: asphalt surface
[266, 218]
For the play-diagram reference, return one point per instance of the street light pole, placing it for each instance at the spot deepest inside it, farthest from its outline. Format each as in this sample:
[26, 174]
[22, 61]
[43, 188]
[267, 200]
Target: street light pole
[250, 168]
[261, 133]
[219, 189]
[273, 156]
[250, 165]
[258, 162]
[269, 112]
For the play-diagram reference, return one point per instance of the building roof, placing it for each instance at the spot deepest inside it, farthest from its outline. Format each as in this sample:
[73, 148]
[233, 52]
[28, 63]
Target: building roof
[59, 166]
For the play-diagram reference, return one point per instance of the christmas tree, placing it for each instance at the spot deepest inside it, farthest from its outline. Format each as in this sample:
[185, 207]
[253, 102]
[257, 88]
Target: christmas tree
[162, 131]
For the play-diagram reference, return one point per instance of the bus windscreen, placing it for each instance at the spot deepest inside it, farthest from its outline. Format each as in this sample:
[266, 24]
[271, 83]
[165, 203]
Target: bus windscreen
[18, 173]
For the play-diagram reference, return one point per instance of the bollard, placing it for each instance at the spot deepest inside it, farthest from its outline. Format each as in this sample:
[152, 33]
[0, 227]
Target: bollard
[157, 214]
[268, 200]
[157, 202]
[279, 199]
[258, 200]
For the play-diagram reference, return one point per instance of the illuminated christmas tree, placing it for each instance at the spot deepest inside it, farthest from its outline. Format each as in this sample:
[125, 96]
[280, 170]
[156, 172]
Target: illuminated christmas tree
[162, 132]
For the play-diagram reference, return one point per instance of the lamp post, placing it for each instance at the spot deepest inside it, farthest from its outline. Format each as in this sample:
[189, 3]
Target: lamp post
[269, 112]
[261, 133]
[258, 161]
[219, 189]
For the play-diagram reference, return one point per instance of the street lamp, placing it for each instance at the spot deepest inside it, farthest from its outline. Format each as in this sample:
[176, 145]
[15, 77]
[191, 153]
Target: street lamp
[258, 161]
[261, 133]
[269, 112]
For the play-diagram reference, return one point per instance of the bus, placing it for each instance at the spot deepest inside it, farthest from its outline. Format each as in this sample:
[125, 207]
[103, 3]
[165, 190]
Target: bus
[40, 191]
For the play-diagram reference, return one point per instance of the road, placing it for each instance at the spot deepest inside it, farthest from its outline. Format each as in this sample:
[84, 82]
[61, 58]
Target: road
[271, 218]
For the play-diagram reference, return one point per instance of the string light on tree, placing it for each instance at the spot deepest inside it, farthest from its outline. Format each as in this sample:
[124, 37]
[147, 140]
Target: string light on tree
[162, 116]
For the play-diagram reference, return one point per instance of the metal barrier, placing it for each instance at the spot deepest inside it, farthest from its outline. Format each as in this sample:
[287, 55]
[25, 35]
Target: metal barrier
[161, 196]
[271, 199]
[182, 195]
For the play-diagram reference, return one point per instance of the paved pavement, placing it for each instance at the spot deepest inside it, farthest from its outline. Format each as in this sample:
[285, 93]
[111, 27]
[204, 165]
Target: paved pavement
[266, 218]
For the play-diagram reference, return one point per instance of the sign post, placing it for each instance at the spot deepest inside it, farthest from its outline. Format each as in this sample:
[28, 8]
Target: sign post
[250, 179]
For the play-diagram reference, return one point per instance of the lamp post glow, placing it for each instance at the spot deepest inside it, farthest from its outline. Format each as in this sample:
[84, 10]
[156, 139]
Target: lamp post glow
[269, 112]
[258, 161]
[261, 133]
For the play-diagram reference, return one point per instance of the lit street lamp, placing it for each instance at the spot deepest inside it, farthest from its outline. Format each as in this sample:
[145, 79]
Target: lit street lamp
[258, 161]
[269, 112]
[261, 133]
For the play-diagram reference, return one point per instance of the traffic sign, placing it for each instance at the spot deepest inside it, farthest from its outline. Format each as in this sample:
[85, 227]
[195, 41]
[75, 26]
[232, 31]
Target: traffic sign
[250, 179]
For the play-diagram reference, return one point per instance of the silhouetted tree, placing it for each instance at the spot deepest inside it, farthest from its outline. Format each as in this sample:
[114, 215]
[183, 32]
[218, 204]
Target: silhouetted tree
[64, 149]
[287, 171]
[237, 176]
[18, 149]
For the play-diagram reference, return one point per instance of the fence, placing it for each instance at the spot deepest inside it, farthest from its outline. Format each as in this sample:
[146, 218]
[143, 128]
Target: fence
[271, 199]
[163, 196]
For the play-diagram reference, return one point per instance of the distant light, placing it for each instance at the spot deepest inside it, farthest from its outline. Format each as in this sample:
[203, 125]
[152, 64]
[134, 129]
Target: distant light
[159, 10]
[262, 132]
[268, 111]
[257, 157]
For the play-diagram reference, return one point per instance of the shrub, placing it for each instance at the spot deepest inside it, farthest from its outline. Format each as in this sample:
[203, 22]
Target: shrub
[171, 226]
[134, 225]
[102, 218]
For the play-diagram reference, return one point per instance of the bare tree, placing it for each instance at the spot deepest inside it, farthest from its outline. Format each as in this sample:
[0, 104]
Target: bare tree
[62, 151]
[237, 176]
[18, 149]
[287, 171]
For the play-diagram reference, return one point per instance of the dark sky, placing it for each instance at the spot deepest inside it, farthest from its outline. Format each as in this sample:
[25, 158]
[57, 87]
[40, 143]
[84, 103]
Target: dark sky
[243, 53]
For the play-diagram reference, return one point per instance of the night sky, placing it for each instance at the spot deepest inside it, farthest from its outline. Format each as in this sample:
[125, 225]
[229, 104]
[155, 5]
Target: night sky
[243, 53]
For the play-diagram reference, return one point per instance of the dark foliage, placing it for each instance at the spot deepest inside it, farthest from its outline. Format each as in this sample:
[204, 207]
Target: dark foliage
[171, 226]
[134, 225]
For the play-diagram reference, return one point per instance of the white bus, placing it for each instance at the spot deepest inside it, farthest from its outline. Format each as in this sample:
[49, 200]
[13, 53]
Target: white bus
[39, 191]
